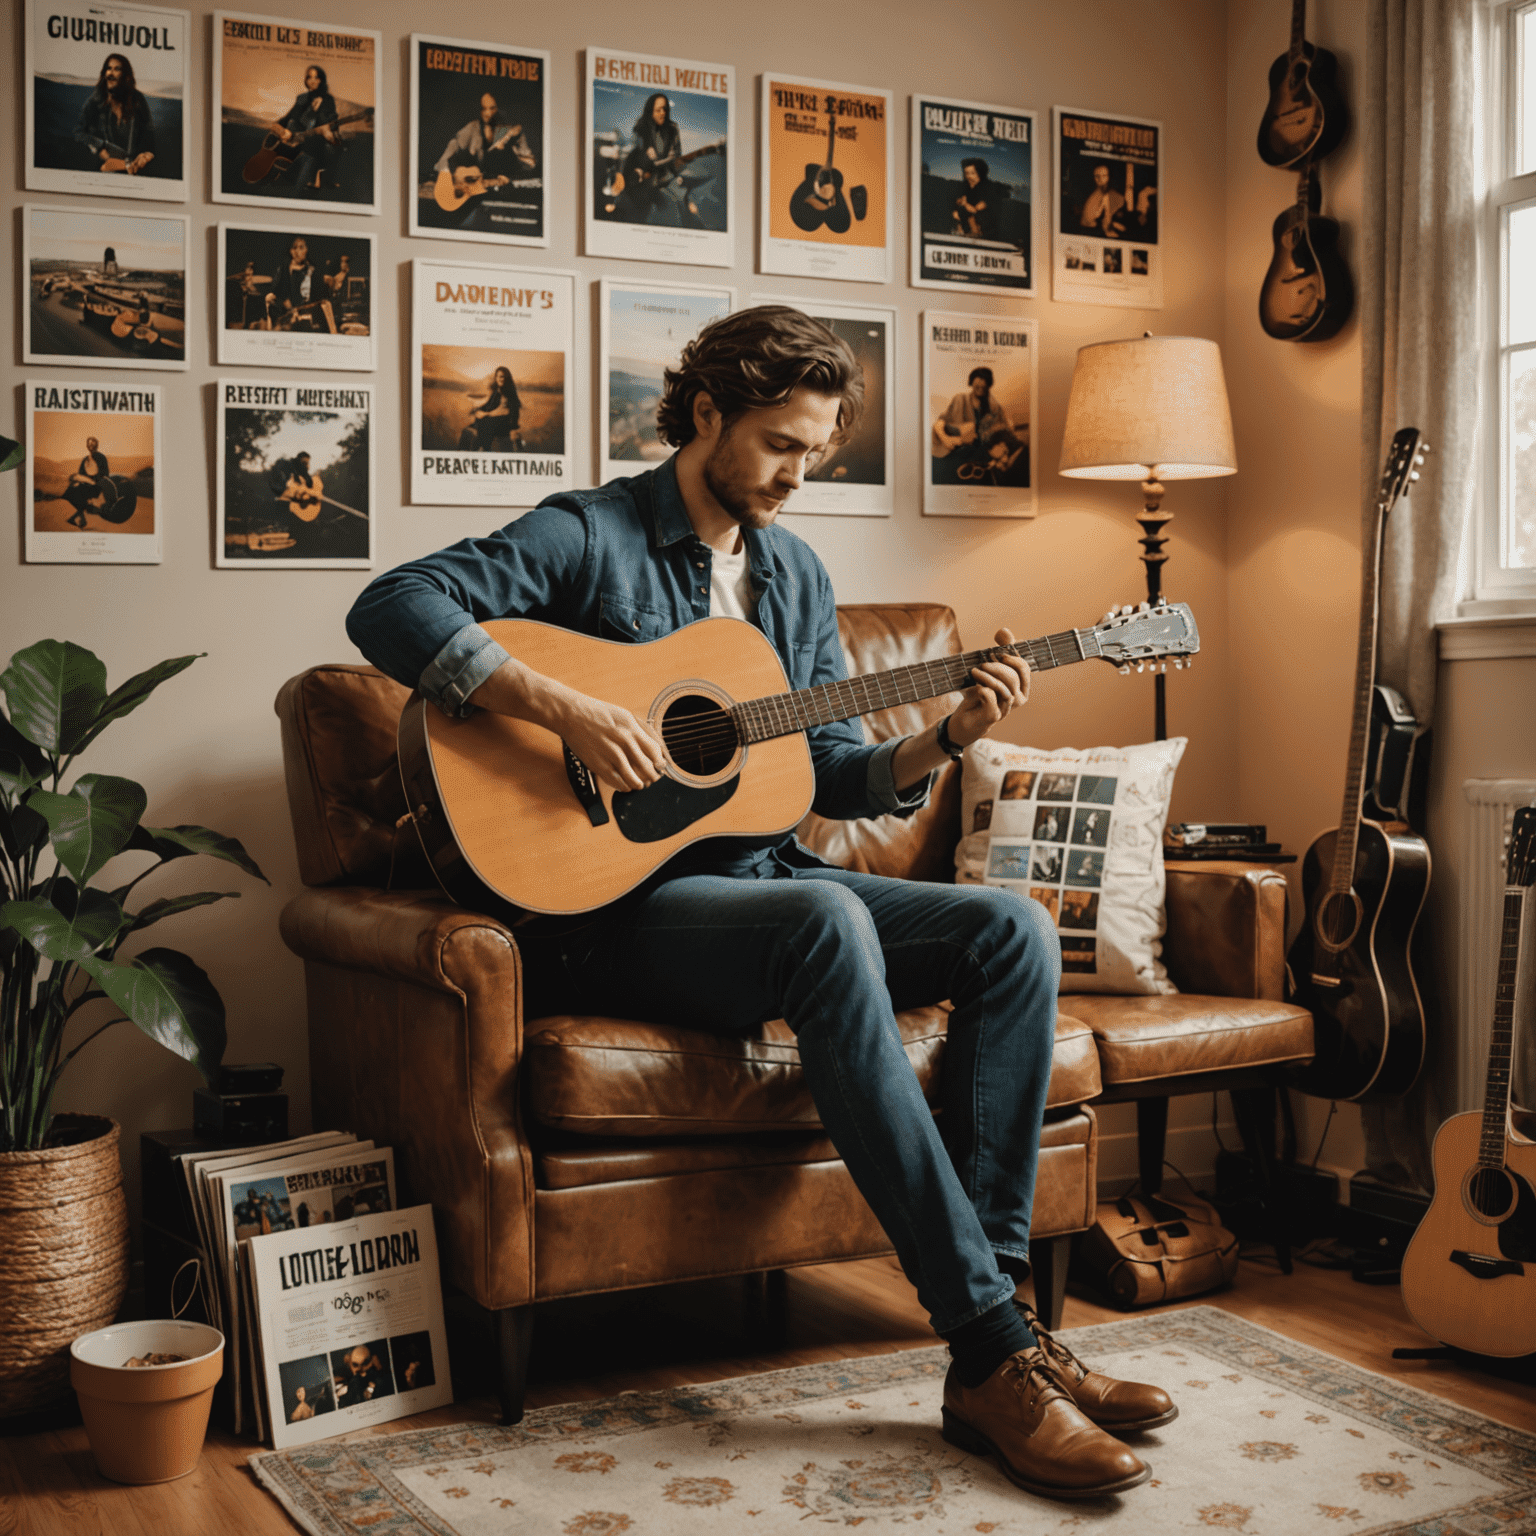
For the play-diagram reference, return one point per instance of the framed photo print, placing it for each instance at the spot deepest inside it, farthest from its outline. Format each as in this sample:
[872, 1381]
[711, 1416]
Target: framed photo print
[980, 378]
[296, 298]
[858, 477]
[104, 290]
[660, 159]
[480, 137]
[295, 477]
[296, 113]
[1108, 206]
[827, 177]
[93, 462]
[973, 180]
[491, 384]
[105, 101]
[642, 329]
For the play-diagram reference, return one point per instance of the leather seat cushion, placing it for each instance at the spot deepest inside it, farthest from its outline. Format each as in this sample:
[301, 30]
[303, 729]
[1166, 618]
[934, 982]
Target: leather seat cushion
[611, 1077]
[1141, 1039]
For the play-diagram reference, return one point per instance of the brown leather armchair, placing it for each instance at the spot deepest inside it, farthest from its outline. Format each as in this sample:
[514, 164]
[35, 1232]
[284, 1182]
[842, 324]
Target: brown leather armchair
[568, 1155]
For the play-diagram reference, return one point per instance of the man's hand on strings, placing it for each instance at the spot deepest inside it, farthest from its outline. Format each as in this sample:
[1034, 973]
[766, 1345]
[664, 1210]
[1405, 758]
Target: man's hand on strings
[1000, 686]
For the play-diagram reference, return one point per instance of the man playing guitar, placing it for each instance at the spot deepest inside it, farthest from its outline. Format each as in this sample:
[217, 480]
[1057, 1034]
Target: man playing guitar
[733, 933]
[310, 125]
[297, 294]
[481, 145]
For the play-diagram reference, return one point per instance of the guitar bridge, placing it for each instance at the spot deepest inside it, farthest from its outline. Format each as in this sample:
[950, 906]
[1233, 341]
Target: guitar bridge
[1484, 1266]
[584, 784]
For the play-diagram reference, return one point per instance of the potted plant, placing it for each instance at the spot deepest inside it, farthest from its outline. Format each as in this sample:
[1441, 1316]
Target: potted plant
[63, 1221]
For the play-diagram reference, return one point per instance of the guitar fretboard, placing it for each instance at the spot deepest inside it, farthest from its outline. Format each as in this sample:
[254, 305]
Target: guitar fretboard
[1491, 1140]
[783, 714]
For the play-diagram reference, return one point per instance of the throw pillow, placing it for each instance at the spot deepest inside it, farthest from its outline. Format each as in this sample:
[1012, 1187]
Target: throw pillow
[1081, 832]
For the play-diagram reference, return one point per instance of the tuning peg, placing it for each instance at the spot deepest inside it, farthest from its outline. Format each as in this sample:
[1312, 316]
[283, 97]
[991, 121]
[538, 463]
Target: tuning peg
[1109, 616]
[1123, 668]
[1163, 667]
[1143, 607]
[1425, 448]
[1141, 666]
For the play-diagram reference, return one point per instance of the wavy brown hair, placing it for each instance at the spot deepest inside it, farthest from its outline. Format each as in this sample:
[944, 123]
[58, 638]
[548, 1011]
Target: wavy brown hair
[756, 359]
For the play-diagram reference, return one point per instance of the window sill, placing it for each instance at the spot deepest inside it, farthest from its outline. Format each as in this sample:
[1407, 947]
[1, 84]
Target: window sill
[1490, 631]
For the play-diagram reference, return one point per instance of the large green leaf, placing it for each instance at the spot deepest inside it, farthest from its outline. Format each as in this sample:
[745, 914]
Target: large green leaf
[169, 906]
[55, 689]
[21, 764]
[96, 921]
[178, 842]
[127, 698]
[93, 822]
[165, 993]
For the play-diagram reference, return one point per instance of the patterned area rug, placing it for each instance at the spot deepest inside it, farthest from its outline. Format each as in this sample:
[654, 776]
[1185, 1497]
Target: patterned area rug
[1273, 1439]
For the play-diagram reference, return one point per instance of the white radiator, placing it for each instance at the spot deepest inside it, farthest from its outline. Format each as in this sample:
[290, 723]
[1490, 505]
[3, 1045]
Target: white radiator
[1491, 806]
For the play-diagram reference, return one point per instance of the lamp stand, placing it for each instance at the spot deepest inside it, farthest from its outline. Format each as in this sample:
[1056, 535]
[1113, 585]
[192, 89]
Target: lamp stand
[1153, 522]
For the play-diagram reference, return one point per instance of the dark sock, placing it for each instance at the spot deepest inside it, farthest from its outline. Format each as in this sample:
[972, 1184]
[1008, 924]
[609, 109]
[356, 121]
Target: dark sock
[981, 1345]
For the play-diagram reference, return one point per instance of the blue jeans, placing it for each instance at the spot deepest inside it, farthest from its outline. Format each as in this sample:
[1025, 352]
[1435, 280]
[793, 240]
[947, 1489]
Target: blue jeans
[836, 955]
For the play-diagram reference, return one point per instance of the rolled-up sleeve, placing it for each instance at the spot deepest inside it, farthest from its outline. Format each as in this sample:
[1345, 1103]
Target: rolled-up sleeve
[459, 668]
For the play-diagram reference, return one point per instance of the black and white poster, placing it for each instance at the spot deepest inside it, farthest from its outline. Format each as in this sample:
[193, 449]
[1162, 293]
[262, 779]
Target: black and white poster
[295, 475]
[491, 385]
[1107, 210]
[104, 290]
[660, 158]
[980, 379]
[856, 477]
[973, 179]
[93, 463]
[296, 113]
[480, 135]
[296, 298]
[106, 99]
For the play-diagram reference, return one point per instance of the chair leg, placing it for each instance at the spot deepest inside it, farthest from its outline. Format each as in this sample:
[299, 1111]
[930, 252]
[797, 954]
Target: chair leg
[765, 1307]
[1254, 1111]
[1151, 1143]
[514, 1334]
[1048, 1258]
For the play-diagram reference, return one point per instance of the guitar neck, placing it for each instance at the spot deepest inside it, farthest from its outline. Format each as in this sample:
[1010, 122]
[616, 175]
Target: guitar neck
[1492, 1139]
[831, 138]
[1298, 28]
[785, 714]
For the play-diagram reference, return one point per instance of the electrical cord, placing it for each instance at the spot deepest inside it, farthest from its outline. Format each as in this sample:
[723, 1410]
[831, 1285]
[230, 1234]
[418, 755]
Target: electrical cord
[1333, 1107]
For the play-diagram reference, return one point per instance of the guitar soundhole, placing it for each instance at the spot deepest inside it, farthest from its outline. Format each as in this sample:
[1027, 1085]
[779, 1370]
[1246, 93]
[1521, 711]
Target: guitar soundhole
[700, 735]
[1491, 1193]
[1337, 919]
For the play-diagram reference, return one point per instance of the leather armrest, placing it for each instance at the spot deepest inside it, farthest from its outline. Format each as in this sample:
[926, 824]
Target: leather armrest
[1226, 929]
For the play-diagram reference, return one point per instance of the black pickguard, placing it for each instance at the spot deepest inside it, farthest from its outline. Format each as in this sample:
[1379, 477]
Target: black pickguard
[1517, 1232]
[661, 809]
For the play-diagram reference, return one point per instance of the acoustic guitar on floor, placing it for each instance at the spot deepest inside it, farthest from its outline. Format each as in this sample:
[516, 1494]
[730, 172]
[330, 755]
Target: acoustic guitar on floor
[507, 814]
[1469, 1275]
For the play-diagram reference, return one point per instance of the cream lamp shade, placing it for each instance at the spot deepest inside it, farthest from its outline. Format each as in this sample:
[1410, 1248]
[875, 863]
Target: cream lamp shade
[1154, 408]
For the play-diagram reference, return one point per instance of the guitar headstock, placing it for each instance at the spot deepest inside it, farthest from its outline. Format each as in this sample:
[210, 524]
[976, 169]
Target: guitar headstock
[1521, 859]
[1134, 636]
[1404, 459]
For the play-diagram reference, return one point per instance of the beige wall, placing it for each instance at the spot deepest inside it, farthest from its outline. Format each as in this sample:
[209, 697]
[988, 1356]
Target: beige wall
[207, 747]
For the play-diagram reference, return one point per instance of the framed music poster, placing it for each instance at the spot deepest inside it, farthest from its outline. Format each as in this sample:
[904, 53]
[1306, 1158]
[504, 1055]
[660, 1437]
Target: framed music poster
[856, 478]
[104, 290]
[294, 480]
[105, 98]
[1107, 209]
[827, 181]
[297, 113]
[980, 378]
[296, 298]
[973, 181]
[659, 155]
[642, 330]
[480, 137]
[93, 470]
[492, 386]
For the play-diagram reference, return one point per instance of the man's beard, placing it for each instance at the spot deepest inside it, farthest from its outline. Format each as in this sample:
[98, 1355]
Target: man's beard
[731, 494]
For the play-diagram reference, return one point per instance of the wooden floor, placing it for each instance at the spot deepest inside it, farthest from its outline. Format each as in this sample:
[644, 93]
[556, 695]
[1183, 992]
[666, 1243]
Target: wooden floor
[49, 1485]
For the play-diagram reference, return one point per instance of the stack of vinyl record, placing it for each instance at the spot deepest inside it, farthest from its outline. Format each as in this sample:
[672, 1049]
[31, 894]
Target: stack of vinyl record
[1221, 840]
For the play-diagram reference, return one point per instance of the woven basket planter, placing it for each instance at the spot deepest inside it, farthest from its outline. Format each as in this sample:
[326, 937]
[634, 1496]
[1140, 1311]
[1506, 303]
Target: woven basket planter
[63, 1256]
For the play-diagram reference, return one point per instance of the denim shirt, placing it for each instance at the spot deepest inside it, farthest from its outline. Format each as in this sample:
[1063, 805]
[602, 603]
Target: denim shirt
[622, 562]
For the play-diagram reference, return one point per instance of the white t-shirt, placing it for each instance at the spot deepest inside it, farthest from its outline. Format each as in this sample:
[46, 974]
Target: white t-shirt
[730, 589]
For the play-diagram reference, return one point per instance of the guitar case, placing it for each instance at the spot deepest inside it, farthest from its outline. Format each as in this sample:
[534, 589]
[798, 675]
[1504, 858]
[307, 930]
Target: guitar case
[1148, 1251]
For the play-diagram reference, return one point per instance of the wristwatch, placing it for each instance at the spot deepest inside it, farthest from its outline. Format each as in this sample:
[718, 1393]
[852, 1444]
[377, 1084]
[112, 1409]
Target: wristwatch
[946, 745]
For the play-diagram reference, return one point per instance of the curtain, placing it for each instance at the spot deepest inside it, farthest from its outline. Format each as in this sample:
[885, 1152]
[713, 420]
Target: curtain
[1422, 313]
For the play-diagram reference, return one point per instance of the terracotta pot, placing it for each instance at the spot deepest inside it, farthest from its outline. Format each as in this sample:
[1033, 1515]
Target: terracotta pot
[146, 1423]
[63, 1256]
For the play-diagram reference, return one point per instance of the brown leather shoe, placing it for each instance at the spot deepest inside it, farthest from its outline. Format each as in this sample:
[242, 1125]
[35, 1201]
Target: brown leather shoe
[1121, 1407]
[1042, 1443]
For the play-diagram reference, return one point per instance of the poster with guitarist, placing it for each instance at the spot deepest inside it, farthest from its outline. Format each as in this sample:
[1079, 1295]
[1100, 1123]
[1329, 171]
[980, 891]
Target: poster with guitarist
[828, 159]
[106, 100]
[295, 476]
[659, 161]
[480, 137]
[296, 113]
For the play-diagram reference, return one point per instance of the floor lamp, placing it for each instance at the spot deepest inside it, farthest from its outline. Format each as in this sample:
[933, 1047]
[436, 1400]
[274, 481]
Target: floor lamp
[1149, 409]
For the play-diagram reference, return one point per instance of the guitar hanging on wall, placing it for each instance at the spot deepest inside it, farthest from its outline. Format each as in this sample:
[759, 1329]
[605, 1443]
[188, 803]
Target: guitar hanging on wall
[1364, 884]
[1469, 1275]
[1307, 293]
[1305, 116]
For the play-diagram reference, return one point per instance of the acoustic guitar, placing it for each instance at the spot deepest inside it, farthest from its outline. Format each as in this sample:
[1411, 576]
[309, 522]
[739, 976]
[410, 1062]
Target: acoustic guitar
[281, 148]
[1305, 116]
[1307, 293]
[305, 501]
[640, 170]
[508, 814]
[819, 198]
[1364, 884]
[1469, 1275]
[114, 166]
